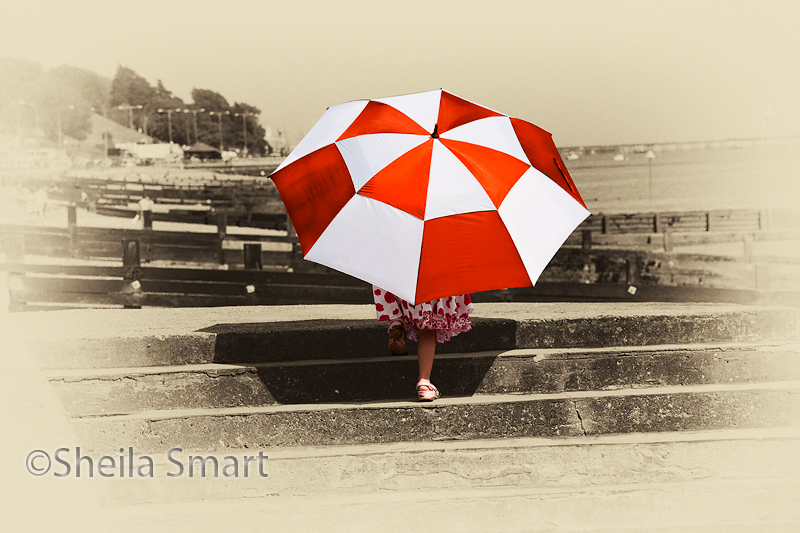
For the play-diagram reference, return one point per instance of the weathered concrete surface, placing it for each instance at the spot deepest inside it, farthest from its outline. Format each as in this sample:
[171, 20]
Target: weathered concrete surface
[479, 417]
[140, 389]
[653, 486]
[707, 506]
[332, 424]
[102, 338]
[144, 337]
[126, 390]
[543, 371]
[708, 407]
[106, 352]
[541, 463]
[696, 325]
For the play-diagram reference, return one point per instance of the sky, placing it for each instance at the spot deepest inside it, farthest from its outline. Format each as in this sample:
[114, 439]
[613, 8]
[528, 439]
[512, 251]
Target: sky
[590, 72]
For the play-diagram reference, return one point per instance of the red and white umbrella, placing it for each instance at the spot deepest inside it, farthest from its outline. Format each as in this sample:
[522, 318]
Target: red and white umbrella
[429, 195]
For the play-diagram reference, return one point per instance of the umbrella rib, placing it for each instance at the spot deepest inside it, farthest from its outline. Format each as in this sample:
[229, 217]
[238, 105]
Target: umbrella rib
[563, 176]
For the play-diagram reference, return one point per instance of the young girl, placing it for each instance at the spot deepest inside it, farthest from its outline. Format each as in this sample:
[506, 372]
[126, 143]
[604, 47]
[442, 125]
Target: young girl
[427, 323]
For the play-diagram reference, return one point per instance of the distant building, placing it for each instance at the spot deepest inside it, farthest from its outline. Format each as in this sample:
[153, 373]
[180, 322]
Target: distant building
[201, 151]
[117, 133]
[152, 151]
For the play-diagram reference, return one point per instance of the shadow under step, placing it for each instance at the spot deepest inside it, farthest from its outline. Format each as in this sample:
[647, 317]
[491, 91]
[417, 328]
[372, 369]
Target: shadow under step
[503, 327]
[210, 386]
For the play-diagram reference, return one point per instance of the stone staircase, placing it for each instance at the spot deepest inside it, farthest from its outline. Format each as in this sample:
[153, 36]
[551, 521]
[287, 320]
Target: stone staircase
[568, 417]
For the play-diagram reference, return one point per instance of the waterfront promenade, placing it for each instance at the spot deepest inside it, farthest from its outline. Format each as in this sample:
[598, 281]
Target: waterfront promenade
[715, 384]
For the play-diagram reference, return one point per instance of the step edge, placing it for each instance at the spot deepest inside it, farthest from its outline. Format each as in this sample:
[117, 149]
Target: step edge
[535, 353]
[779, 433]
[443, 402]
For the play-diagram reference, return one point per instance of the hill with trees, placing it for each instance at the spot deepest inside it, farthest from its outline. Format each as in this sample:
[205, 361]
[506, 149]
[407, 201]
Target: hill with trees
[59, 102]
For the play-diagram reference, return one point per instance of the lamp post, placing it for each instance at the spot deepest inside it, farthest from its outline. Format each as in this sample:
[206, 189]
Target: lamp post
[650, 156]
[219, 118]
[244, 128]
[185, 126]
[195, 112]
[169, 120]
[130, 109]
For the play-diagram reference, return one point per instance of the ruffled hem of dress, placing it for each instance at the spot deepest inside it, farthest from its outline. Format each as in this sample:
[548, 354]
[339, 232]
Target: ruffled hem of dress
[446, 328]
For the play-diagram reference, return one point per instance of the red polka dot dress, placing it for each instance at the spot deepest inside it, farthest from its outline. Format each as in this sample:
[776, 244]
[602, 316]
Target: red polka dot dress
[448, 316]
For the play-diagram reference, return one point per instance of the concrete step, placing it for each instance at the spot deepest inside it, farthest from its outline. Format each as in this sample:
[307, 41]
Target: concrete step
[566, 414]
[338, 339]
[564, 465]
[704, 506]
[561, 431]
[158, 337]
[127, 390]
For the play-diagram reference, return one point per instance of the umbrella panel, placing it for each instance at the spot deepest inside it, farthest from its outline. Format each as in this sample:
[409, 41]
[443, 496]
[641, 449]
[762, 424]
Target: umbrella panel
[482, 203]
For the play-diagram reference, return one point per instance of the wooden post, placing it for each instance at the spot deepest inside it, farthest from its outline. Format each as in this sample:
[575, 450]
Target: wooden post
[632, 270]
[667, 241]
[146, 211]
[708, 221]
[131, 257]
[290, 228]
[131, 261]
[252, 256]
[296, 259]
[658, 224]
[72, 228]
[604, 225]
[586, 239]
[222, 224]
[147, 218]
[222, 231]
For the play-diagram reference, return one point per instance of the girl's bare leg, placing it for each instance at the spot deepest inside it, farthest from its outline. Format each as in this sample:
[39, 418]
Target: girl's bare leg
[426, 347]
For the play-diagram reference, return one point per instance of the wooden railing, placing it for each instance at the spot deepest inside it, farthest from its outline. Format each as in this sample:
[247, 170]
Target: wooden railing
[269, 269]
[248, 202]
[252, 277]
[679, 222]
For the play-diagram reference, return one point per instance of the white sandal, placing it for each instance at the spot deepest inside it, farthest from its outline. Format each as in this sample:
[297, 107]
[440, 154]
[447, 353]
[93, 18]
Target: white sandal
[426, 395]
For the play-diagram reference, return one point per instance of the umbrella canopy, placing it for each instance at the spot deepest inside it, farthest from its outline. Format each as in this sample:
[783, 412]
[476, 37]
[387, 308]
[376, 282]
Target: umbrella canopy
[429, 195]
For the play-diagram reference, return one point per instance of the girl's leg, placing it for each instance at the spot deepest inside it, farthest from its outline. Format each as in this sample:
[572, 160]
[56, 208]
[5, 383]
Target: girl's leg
[425, 352]
[426, 347]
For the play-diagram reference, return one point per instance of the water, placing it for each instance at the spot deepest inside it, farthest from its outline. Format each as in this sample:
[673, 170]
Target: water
[753, 177]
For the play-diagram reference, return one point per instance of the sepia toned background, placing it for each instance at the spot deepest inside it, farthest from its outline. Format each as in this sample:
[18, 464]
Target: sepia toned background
[712, 87]
[604, 72]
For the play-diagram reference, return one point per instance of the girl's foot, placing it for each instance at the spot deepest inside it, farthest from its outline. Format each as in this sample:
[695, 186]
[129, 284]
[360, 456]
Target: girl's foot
[426, 391]
[397, 339]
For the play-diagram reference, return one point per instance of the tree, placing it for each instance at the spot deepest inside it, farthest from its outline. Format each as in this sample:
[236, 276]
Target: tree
[130, 89]
[210, 100]
[69, 95]
[58, 101]
[209, 125]
[159, 123]
[247, 121]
